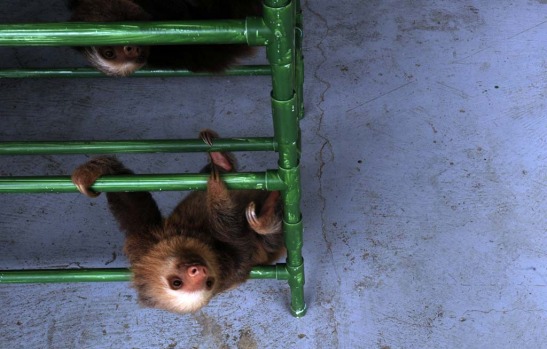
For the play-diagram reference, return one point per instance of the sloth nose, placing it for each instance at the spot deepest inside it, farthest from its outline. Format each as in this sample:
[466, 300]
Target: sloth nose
[132, 51]
[195, 271]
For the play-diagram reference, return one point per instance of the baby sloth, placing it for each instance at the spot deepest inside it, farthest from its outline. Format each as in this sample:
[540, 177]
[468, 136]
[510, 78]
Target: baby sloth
[124, 60]
[207, 245]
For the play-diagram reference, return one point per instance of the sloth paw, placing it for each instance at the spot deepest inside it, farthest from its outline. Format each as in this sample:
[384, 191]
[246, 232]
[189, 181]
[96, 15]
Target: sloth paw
[84, 176]
[223, 160]
[267, 223]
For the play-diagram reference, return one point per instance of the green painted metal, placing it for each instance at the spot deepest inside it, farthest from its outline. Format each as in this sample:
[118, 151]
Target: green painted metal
[299, 60]
[248, 70]
[128, 146]
[276, 3]
[252, 32]
[291, 177]
[285, 119]
[281, 50]
[280, 17]
[278, 272]
[64, 275]
[268, 180]
[294, 243]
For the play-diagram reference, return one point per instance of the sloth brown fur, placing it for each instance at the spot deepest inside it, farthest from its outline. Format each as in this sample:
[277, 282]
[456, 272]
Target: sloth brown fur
[207, 245]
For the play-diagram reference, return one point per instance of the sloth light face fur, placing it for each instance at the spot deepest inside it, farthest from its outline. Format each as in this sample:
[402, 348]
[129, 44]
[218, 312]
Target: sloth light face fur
[120, 65]
[172, 258]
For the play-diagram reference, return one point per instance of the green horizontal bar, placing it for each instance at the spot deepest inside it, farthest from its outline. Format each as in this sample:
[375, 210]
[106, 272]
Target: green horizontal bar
[250, 31]
[278, 272]
[268, 180]
[127, 146]
[246, 70]
[109, 275]
[64, 275]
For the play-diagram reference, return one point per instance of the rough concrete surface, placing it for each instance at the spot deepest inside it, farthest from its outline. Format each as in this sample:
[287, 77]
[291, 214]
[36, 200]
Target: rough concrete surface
[424, 184]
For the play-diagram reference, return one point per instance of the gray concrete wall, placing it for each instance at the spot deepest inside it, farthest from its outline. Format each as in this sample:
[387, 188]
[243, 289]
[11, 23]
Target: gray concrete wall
[424, 182]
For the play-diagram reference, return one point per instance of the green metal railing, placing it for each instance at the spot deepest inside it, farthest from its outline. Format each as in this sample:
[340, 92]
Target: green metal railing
[130, 146]
[249, 70]
[278, 272]
[280, 30]
[268, 180]
[250, 31]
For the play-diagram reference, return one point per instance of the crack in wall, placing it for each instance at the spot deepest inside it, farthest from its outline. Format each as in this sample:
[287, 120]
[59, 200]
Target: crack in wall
[326, 155]
[326, 146]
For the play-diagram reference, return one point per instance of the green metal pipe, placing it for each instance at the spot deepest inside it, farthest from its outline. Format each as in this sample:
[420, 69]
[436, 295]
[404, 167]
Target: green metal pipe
[293, 233]
[281, 51]
[268, 180]
[284, 73]
[276, 3]
[252, 32]
[286, 130]
[299, 59]
[128, 146]
[248, 70]
[294, 242]
[64, 275]
[292, 195]
[279, 16]
[280, 22]
[278, 272]
[296, 282]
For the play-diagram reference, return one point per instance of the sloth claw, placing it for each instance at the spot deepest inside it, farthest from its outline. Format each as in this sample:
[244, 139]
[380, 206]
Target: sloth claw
[215, 175]
[83, 180]
[263, 225]
[207, 136]
[250, 214]
[88, 192]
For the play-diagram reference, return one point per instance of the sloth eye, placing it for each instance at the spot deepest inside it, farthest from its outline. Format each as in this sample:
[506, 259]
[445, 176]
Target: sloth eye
[109, 54]
[175, 283]
[209, 283]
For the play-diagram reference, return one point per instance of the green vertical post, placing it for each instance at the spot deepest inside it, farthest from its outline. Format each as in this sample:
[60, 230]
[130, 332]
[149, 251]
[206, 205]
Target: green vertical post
[280, 17]
[299, 59]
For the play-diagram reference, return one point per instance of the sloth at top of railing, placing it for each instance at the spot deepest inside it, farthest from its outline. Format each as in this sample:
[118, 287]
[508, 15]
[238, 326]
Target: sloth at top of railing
[125, 60]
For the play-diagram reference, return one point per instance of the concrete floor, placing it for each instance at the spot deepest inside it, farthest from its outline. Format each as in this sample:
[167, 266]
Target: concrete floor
[424, 182]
